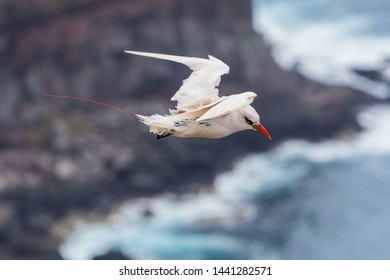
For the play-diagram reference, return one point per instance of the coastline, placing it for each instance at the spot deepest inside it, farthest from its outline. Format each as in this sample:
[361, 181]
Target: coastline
[60, 160]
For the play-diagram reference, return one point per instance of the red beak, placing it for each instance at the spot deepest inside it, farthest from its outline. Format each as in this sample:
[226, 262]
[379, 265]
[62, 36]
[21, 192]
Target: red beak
[262, 129]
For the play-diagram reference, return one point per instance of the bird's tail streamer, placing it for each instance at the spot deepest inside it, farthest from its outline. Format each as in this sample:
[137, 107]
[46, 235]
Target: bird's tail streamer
[92, 101]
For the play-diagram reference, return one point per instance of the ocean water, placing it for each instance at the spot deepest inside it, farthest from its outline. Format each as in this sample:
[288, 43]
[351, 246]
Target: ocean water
[327, 200]
[323, 39]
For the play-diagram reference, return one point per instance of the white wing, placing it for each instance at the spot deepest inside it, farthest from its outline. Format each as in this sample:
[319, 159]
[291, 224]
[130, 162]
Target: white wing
[229, 104]
[200, 87]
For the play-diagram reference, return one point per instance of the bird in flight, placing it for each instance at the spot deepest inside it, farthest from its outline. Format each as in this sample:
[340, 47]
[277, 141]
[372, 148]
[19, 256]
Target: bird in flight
[200, 111]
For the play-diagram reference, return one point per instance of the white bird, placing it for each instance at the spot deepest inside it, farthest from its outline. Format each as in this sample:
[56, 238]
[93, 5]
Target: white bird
[200, 111]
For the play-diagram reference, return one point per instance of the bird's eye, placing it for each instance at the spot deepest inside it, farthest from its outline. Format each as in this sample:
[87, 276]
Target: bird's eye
[248, 121]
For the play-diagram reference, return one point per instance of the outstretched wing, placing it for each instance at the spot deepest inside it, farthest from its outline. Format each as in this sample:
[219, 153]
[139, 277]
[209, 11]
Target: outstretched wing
[229, 104]
[200, 88]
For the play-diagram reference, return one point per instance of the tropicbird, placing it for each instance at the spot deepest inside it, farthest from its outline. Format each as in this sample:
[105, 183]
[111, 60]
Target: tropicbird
[200, 111]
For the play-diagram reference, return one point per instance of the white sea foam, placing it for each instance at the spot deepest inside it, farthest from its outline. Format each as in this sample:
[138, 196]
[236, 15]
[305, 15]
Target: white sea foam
[325, 49]
[165, 234]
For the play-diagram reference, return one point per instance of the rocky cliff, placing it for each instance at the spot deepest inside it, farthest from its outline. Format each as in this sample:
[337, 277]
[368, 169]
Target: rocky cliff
[61, 159]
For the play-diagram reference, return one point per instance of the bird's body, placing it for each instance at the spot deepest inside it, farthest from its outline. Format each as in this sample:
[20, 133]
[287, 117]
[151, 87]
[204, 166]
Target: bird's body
[186, 124]
[200, 111]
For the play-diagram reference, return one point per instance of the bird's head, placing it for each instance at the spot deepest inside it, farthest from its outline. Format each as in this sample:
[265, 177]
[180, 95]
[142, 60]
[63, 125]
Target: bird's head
[252, 121]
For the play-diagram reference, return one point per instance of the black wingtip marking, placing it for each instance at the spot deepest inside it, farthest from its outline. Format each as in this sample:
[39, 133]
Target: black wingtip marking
[165, 134]
[205, 123]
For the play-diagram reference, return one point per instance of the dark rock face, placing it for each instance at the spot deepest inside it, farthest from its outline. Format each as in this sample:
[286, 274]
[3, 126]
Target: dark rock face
[60, 157]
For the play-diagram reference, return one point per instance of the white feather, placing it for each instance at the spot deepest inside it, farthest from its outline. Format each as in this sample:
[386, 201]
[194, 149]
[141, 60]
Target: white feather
[229, 104]
[200, 88]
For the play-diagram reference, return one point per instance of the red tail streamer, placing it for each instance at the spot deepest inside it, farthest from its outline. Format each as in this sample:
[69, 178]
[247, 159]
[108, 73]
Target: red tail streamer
[91, 101]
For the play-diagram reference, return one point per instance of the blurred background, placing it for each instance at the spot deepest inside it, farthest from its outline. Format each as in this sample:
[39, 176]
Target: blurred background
[79, 181]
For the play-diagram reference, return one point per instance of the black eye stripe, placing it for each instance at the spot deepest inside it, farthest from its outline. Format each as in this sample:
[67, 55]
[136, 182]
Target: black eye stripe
[248, 121]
